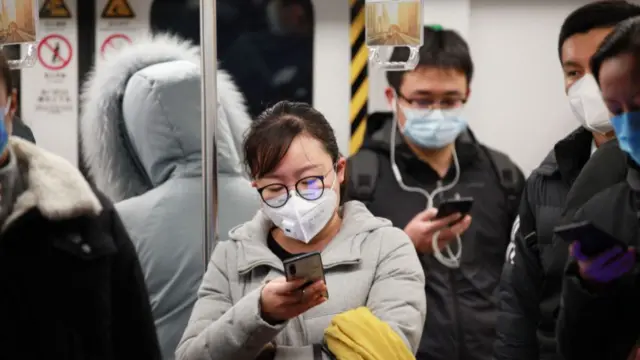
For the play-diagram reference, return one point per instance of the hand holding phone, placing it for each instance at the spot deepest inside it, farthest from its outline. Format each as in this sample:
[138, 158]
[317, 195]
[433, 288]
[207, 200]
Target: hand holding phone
[605, 267]
[601, 257]
[281, 300]
[422, 228]
[302, 288]
[460, 206]
[593, 241]
[306, 266]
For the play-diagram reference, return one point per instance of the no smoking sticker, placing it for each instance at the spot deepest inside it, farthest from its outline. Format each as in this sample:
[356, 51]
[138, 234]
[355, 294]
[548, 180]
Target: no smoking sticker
[113, 43]
[54, 52]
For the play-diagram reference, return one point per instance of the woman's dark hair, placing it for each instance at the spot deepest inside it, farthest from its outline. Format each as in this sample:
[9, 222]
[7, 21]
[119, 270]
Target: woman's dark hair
[272, 133]
[624, 39]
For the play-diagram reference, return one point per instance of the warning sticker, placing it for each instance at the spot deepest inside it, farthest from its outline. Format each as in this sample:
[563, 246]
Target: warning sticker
[55, 52]
[118, 9]
[113, 43]
[54, 101]
[54, 9]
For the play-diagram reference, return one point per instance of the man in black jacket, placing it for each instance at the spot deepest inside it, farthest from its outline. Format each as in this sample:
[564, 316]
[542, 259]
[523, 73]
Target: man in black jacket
[421, 155]
[71, 287]
[600, 314]
[532, 277]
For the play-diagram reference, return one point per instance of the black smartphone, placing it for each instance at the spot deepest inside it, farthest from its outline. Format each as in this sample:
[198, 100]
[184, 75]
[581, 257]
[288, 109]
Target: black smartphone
[593, 241]
[306, 266]
[453, 206]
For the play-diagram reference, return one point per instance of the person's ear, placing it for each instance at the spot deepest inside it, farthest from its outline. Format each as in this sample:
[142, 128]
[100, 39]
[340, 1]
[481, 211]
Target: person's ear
[466, 99]
[341, 169]
[390, 94]
[13, 108]
[253, 184]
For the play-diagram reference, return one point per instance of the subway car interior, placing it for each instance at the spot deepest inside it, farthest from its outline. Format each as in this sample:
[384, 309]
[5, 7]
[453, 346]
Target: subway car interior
[156, 102]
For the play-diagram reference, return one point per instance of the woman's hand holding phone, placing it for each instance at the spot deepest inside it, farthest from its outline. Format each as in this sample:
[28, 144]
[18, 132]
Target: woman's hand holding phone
[606, 267]
[282, 300]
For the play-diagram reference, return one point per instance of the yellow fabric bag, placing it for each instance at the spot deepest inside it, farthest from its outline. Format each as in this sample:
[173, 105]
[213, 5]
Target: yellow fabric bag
[360, 335]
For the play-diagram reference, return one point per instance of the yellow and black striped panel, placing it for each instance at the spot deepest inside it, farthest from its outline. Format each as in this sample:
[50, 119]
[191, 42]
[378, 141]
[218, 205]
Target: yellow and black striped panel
[359, 79]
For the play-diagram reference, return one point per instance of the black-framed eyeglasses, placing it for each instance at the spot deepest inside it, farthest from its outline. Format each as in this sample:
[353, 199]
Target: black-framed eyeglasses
[446, 103]
[309, 188]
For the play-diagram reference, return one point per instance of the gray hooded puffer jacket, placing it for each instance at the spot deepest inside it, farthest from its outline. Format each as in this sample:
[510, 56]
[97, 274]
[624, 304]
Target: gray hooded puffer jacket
[141, 140]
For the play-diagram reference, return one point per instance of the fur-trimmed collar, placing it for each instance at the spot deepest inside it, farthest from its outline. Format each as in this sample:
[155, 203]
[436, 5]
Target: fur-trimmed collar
[53, 185]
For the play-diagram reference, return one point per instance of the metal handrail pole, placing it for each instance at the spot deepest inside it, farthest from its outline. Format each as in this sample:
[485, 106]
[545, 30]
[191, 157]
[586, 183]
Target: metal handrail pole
[209, 106]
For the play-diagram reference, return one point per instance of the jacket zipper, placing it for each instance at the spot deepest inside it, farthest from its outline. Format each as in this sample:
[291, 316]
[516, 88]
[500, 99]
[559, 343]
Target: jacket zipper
[457, 330]
[456, 318]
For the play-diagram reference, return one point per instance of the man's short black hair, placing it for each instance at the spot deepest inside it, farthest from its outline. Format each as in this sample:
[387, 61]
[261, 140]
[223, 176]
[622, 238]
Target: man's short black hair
[444, 49]
[625, 39]
[595, 15]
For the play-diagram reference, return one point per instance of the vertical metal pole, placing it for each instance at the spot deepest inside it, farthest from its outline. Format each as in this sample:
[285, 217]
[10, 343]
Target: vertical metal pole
[209, 105]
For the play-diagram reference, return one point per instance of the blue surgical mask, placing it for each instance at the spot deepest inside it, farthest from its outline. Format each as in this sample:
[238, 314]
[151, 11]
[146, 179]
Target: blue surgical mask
[4, 134]
[627, 128]
[432, 129]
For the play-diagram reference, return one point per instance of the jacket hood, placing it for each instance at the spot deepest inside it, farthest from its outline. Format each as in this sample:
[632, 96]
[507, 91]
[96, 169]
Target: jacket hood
[140, 118]
[357, 220]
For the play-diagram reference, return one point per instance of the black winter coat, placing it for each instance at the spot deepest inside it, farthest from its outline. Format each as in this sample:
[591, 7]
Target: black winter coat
[71, 287]
[531, 281]
[603, 324]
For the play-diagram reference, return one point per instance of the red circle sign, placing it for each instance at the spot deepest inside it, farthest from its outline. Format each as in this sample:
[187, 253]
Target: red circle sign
[113, 39]
[51, 52]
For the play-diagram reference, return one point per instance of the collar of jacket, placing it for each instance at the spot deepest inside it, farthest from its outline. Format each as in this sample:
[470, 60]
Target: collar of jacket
[378, 138]
[53, 186]
[344, 249]
[568, 156]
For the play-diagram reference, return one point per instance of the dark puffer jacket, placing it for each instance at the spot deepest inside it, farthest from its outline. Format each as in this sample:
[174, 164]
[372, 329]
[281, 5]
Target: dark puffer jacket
[531, 281]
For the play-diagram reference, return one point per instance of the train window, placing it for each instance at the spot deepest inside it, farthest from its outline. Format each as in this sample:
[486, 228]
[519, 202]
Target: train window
[268, 48]
[266, 45]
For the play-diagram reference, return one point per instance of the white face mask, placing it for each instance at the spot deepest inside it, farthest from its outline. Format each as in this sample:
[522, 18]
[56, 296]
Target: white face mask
[303, 219]
[587, 105]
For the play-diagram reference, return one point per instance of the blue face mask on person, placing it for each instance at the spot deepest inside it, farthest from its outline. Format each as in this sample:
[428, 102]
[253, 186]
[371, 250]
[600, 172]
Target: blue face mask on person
[4, 134]
[627, 128]
[432, 129]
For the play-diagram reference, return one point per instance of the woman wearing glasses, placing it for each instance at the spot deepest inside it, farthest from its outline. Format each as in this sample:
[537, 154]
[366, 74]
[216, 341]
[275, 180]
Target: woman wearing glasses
[245, 306]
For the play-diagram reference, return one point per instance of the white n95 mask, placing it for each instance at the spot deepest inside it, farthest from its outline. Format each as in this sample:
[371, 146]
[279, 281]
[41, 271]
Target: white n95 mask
[303, 219]
[587, 105]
